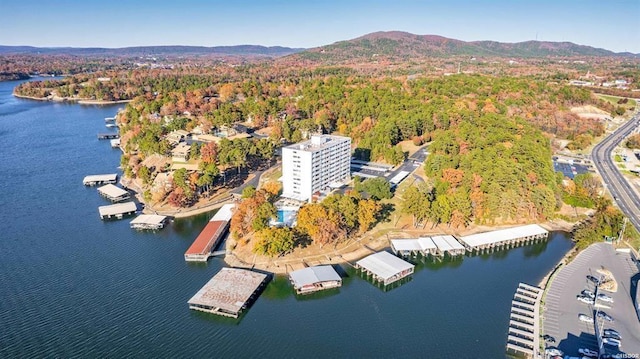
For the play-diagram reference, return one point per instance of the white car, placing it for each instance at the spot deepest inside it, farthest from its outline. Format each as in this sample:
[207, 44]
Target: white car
[554, 352]
[588, 352]
[585, 318]
[612, 342]
[605, 298]
[584, 299]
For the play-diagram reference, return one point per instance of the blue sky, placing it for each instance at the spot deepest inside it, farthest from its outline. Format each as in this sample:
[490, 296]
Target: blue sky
[610, 24]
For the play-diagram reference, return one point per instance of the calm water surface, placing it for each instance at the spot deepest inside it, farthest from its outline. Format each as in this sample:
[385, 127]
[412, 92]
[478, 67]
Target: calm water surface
[72, 285]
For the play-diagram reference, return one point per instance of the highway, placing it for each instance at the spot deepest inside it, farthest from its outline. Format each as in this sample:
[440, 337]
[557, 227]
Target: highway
[624, 196]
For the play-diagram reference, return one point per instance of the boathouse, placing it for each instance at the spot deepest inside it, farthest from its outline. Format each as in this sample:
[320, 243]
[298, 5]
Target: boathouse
[313, 279]
[113, 193]
[414, 246]
[117, 210]
[208, 239]
[504, 238]
[448, 244]
[385, 267]
[115, 143]
[93, 180]
[108, 135]
[229, 292]
[148, 221]
[524, 321]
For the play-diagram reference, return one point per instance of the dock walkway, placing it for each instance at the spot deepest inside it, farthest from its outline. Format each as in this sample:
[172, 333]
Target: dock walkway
[524, 321]
[504, 238]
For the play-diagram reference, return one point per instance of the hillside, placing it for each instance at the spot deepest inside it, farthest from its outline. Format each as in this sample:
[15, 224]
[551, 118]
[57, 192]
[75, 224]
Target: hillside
[403, 46]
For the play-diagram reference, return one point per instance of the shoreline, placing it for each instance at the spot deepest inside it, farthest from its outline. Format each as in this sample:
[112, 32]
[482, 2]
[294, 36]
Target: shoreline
[79, 101]
[349, 251]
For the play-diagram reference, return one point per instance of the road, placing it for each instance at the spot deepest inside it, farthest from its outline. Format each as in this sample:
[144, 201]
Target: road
[624, 196]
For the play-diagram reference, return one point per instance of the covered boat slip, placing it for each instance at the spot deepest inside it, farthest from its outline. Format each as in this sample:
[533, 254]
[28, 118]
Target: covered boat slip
[504, 237]
[312, 279]
[448, 244]
[113, 193]
[524, 321]
[117, 210]
[201, 248]
[224, 213]
[93, 180]
[385, 267]
[414, 246]
[148, 221]
[229, 292]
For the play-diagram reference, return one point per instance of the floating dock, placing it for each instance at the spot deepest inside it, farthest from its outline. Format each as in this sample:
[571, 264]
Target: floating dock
[118, 210]
[93, 180]
[108, 136]
[113, 193]
[385, 267]
[115, 143]
[524, 321]
[229, 292]
[448, 244]
[504, 238]
[109, 119]
[313, 279]
[148, 221]
[208, 239]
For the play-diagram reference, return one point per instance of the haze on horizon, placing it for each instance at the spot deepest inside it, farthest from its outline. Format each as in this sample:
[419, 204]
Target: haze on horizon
[612, 25]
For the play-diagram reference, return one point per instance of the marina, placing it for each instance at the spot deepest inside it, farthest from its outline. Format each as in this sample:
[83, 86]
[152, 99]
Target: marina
[313, 279]
[524, 321]
[229, 292]
[211, 235]
[148, 221]
[384, 267]
[504, 238]
[108, 135]
[448, 244]
[94, 180]
[113, 193]
[117, 211]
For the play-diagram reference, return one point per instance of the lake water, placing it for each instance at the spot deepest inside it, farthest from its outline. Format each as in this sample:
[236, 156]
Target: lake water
[72, 285]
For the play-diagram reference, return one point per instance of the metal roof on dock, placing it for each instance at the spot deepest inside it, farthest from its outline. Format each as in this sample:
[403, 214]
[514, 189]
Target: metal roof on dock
[229, 289]
[148, 219]
[203, 242]
[112, 191]
[112, 177]
[117, 209]
[413, 244]
[384, 264]
[224, 213]
[502, 235]
[447, 243]
[311, 275]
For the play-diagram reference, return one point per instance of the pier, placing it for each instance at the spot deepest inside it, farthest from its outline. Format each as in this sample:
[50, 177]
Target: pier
[117, 211]
[208, 239]
[504, 238]
[524, 321]
[148, 221]
[108, 136]
[313, 279]
[94, 180]
[113, 193]
[229, 292]
[384, 267]
[109, 119]
[448, 244]
[115, 143]
[414, 246]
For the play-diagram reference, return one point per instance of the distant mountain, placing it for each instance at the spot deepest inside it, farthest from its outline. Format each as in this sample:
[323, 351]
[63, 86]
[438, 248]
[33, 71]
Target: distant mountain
[239, 50]
[403, 45]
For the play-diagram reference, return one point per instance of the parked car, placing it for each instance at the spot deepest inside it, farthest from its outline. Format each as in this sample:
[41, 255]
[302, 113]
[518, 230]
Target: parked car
[549, 338]
[585, 299]
[588, 352]
[554, 352]
[593, 279]
[612, 336]
[611, 331]
[605, 316]
[612, 342]
[588, 293]
[605, 298]
[585, 318]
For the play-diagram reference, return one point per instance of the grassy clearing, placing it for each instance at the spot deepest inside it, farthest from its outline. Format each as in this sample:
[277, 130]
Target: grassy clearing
[614, 100]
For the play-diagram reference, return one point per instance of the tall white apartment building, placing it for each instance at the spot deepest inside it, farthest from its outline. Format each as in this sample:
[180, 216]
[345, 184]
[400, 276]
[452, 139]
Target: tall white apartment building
[315, 165]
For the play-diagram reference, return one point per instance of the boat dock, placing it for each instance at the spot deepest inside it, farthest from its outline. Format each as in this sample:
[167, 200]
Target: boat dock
[208, 239]
[504, 238]
[413, 246]
[524, 321]
[110, 125]
[148, 221]
[113, 193]
[118, 210]
[109, 119]
[229, 292]
[448, 244]
[115, 143]
[108, 136]
[313, 279]
[93, 180]
[384, 267]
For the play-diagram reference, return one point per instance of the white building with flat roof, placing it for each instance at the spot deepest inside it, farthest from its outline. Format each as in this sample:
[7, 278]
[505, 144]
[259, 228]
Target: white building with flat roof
[315, 165]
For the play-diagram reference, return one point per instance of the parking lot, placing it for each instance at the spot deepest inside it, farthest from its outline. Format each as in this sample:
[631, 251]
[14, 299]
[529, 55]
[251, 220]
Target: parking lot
[561, 308]
[569, 170]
